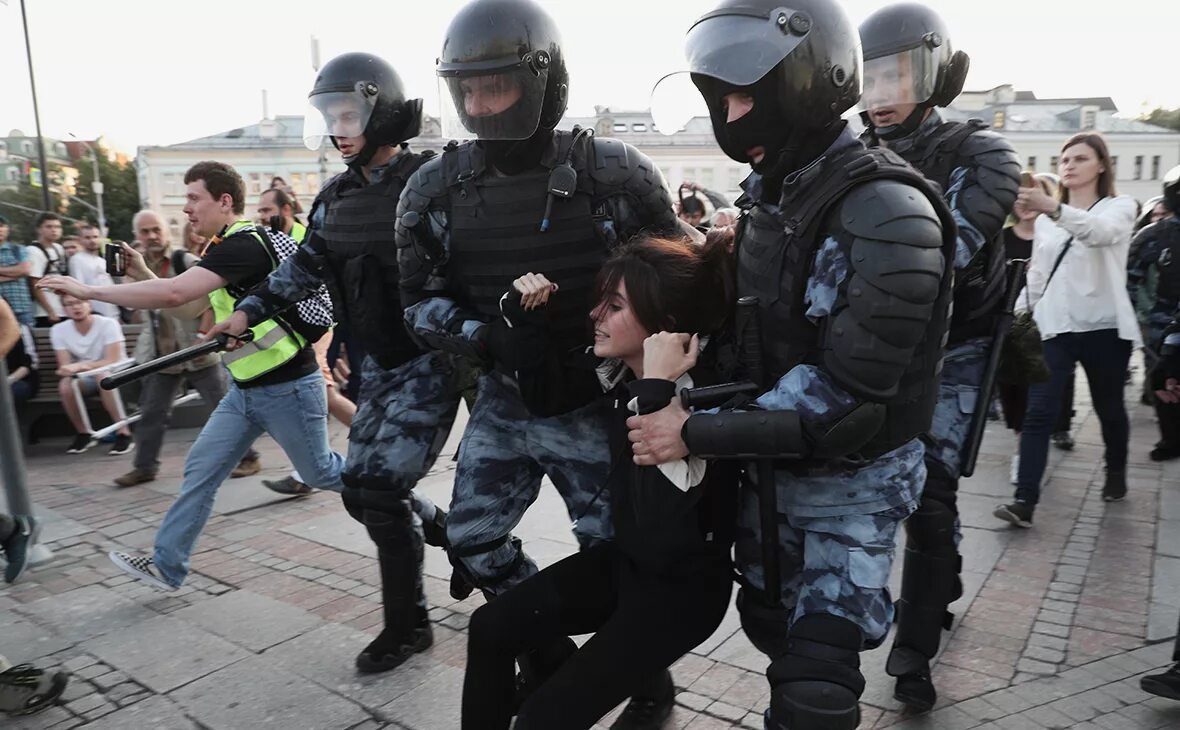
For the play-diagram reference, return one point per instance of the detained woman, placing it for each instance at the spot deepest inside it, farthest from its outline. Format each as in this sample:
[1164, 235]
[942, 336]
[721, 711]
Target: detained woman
[1078, 295]
[663, 585]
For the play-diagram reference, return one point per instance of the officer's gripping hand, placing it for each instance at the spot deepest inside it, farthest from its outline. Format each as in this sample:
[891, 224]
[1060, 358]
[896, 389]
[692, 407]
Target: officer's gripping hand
[234, 326]
[655, 438]
[1170, 392]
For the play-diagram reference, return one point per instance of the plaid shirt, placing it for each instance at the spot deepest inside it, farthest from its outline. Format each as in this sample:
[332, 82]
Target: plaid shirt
[16, 291]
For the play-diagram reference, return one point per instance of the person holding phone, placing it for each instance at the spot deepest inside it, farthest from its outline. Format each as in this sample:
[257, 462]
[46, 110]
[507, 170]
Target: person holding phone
[1076, 288]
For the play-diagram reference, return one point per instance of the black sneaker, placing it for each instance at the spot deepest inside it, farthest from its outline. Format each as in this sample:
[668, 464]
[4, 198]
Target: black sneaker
[288, 485]
[24, 689]
[17, 546]
[141, 568]
[1018, 513]
[1164, 452]
[81, 443]
[1063, 440]
[123, 445]
[1115, 487]
[383, 655]
[1166, 684]
[648, 713]
[916, 692]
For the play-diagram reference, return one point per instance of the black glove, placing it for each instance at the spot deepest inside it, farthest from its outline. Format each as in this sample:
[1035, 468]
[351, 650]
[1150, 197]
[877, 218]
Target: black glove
[520, 347]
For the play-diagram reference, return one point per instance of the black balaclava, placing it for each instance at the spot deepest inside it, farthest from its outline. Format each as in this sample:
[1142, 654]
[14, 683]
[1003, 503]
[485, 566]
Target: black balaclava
[514, 156]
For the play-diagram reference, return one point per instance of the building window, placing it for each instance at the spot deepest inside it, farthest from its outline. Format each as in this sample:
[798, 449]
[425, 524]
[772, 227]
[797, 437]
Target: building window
[254, 185]
[619, 127]
[296, 182]
[1089, 118]
[638, 127]
[27, 147]
[998, 120]
[1053, 164]
[171, 183]
[313, 183]
[735, 178]
[1155, 167]
[175, 232]
[690, 175]
[14, 174]
[1138, 175]
[1032, 163]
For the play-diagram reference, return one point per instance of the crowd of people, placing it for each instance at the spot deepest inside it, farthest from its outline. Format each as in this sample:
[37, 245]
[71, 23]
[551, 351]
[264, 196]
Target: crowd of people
[711, 391]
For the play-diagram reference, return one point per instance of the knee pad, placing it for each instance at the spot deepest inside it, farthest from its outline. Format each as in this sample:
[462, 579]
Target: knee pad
[817, 684]
[464, 561]
[767, 627]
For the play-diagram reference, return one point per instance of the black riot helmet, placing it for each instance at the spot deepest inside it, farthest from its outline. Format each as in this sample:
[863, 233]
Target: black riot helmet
[909, 60]
[355, 94]
[502, 67]
[1172, 190]
[798, 59]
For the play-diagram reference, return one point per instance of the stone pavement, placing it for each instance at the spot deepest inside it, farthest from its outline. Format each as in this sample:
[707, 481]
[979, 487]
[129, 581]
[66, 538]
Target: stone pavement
[1056, 625]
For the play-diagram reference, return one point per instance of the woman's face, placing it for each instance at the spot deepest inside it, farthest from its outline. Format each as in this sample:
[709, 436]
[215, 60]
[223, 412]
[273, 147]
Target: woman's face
[1079, 166]
[617, 331]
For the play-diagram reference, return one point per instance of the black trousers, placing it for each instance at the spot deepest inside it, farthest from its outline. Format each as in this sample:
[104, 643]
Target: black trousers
[643, 624]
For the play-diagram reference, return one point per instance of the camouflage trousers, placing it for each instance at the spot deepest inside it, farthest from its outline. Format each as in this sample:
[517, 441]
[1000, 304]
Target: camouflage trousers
[504, 455]
[836, 565]
[958, 391]
[403, 418]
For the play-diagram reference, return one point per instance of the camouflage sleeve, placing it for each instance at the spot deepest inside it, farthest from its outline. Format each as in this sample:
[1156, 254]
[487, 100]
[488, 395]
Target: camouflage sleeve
[296, 278]
[807, 389]
[981, 192]
[441, 324]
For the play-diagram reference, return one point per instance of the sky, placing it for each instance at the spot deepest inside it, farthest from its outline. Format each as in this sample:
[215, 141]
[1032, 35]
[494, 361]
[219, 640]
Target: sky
[156, 72]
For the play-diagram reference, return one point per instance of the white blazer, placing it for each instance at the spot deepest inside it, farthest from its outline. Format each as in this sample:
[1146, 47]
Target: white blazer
[1089, 290]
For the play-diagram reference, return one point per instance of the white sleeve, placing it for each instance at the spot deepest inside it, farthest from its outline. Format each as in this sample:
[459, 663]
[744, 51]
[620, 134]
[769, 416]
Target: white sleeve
[1106, 227]
[38, 262]
[57, 336]
[112, 331]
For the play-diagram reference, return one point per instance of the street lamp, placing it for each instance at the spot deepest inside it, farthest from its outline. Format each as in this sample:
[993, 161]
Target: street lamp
[96, 186]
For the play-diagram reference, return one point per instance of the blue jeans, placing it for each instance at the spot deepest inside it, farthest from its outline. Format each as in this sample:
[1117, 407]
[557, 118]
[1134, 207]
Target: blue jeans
[1104, 357]
[294, 413]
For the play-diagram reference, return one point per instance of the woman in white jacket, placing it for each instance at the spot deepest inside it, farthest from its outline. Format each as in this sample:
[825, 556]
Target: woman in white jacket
[1082, 310]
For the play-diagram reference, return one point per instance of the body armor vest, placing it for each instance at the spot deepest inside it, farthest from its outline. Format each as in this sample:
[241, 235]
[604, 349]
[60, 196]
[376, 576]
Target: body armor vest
[776, 252]
[979, 286]
[1167, 288]
[361, 257]
[496, 236]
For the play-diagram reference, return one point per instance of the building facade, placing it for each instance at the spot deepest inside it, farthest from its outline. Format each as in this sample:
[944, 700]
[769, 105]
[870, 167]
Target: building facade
[19, 162]
[1036, 127]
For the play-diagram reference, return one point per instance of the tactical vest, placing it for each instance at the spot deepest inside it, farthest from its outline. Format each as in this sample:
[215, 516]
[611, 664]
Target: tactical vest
[776, 253]
[979, 286]
[275, 342]
[1167, 288]
[358, 232]
[496, 236]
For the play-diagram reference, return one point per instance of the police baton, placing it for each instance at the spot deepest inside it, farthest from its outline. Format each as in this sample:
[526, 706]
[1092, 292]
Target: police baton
[217, 344]
[987, 385]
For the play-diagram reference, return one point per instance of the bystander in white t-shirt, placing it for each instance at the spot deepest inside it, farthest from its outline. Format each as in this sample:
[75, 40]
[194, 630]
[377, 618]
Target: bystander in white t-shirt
[90, 346]
[43, 264]
[92, 271]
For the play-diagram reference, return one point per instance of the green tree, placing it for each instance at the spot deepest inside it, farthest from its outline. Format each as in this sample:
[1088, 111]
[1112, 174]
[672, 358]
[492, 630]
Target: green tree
[1161, 117]
[22, 204]
[120, 195]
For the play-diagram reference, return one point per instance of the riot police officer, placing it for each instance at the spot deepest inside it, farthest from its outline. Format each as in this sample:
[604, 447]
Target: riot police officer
[848, 252]
[910, 69]
[1157, 246]
[408, 399]
[520, 197]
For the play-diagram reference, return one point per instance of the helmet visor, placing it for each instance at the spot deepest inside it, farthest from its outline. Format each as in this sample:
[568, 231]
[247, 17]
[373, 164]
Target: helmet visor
[502, 104]
[337, 114]
[741, 45]
[906, 77]
[675, 101]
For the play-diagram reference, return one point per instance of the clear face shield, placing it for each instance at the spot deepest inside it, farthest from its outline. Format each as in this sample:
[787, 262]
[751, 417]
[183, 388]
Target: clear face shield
[675, 101]
[493, 104]
[337, 114]
[906, 77]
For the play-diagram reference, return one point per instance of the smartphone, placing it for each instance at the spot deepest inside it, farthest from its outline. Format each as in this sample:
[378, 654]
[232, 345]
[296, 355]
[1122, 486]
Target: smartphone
[1027, 180]
[116, 259]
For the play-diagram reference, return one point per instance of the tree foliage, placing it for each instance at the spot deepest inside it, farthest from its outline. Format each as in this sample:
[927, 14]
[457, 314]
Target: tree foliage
[1161, 117]
[120, 196]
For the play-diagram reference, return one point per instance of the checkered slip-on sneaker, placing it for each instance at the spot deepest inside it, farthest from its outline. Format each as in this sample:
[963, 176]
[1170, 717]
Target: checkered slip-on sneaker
[141, 568]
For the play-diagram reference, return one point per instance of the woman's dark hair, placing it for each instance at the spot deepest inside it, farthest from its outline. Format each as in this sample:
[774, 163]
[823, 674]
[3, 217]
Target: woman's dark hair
[691, 205]
[1097, 143]
[674, 284]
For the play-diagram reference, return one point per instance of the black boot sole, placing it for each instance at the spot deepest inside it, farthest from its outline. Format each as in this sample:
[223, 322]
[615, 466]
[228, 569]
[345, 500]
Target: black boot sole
[914, 704]
[366, 664]
[1160, 689]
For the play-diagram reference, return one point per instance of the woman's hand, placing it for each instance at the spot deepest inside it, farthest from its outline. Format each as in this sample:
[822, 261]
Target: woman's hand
[65, 285]
[1170, 392]
[1035, 199]
[535, 290]
[668, 355]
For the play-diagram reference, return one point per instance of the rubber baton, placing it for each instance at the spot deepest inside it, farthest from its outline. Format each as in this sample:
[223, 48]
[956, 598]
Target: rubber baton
[217, 344]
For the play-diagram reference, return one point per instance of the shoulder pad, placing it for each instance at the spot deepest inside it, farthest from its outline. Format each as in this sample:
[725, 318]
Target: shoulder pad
[1147, 235]
[424, 187]
[329, 188]
[986, 140]
[616, 163]
[891, 210]
[987, 149]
